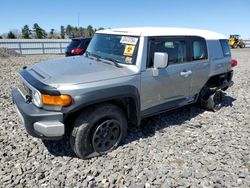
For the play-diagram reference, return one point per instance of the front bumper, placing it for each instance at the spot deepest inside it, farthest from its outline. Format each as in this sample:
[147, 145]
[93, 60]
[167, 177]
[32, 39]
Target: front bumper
[38, 122]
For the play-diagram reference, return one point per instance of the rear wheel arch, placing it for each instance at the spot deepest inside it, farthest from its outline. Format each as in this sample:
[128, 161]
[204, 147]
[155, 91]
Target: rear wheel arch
[217, 80]
[211, 93]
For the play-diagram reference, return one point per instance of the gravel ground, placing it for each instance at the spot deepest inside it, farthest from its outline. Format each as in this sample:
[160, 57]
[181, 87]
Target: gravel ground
[188, 147]
[5, 52]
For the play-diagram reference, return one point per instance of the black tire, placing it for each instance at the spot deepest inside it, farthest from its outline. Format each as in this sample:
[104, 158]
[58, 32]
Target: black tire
[213, 102]
[106, 118]
[242, 45]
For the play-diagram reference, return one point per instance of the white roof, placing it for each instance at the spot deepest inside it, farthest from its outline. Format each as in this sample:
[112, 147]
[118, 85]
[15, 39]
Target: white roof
[163, 31]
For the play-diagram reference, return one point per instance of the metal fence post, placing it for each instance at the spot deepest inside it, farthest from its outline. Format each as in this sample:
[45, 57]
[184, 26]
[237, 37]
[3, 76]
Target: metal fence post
[43, 47]
[20, 48]
[61, 47]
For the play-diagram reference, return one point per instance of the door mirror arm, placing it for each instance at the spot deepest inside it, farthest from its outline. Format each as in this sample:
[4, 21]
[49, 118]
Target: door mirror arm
[155, 72]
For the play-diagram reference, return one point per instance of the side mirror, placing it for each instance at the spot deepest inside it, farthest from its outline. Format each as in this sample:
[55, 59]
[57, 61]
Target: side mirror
[160, 61]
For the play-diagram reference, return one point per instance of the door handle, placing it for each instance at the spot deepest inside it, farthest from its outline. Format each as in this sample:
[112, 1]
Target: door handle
[186, 73]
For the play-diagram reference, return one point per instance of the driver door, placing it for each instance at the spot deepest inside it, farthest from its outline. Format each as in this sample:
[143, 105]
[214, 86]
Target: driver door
[173, 84]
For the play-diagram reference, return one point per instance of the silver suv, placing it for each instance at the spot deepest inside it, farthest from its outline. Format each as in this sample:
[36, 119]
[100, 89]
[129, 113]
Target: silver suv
[124, 76]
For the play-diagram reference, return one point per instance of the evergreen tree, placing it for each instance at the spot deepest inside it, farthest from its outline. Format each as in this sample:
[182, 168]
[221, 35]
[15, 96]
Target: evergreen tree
[75, 32]
[26, 33]
[52, 31]
[69, 30]
[11, 35]
[90, 31]
[81, 31]
[62, 32]
[39, 32]
[51, 34]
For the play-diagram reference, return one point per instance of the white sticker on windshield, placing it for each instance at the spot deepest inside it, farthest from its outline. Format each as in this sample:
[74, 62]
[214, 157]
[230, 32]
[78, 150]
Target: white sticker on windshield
[129, 40]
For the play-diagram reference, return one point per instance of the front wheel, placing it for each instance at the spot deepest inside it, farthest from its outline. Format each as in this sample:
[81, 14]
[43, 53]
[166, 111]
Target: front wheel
[235, 45]
[97, 130]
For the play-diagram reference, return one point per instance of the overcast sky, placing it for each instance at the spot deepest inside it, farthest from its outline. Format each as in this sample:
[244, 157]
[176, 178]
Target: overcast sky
[223, 16]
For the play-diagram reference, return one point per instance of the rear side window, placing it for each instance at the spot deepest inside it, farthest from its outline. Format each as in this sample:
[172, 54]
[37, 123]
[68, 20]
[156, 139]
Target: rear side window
[199, 49]
[225, 47]
[74, 44]
[176, 49]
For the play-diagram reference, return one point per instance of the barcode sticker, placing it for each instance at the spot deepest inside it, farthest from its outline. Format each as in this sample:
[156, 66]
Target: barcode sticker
[129, 40]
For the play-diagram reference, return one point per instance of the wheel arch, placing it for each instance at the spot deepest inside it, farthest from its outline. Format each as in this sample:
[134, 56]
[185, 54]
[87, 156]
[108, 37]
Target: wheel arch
[125, 97]
[219, 79]
[216, 82]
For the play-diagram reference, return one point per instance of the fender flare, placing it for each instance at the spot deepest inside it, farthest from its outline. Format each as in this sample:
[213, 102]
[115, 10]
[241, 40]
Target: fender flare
[103, 95]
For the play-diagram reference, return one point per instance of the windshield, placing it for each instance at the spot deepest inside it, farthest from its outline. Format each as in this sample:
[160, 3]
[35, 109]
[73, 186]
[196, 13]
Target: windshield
[122, 49]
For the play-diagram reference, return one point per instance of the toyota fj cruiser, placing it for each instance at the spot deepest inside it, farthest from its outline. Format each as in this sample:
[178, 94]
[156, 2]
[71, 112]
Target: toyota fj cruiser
[124, 76]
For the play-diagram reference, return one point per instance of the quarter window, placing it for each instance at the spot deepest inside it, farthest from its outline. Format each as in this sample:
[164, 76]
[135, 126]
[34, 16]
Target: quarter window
[225, 47]
[176, 49]
[199, 50]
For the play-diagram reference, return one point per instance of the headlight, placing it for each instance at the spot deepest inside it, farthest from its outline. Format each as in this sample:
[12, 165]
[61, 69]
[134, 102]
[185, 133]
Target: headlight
[37, 99]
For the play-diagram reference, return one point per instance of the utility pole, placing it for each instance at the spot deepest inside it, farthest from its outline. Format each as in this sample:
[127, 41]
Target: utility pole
[78, 18]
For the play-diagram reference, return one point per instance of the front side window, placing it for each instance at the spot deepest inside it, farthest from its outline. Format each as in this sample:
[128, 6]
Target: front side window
[225, 47]
[199, 50]
[119, 48]
[176, 49]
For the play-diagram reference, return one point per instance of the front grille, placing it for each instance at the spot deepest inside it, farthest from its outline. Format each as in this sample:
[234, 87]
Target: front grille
[26, 91]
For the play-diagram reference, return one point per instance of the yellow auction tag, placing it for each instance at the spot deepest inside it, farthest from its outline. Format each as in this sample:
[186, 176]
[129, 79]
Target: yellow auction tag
[129, 50]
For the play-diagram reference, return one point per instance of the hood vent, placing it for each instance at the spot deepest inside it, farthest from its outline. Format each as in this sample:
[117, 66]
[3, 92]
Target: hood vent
[35, 73]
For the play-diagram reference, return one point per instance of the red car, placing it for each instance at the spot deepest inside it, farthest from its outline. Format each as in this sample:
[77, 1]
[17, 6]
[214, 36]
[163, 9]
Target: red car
[77, 46]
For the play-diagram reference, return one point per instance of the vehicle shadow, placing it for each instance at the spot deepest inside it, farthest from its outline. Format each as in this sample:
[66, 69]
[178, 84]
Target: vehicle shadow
[228, 101]
[177, 117]
[148, 127]
[59, 147]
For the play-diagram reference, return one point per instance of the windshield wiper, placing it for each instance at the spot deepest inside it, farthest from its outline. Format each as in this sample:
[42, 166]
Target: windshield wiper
[114, 61]
[99, 58]
[93, 55]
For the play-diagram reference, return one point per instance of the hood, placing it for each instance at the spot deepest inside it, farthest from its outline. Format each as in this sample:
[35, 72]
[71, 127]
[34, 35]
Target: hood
[76, 70]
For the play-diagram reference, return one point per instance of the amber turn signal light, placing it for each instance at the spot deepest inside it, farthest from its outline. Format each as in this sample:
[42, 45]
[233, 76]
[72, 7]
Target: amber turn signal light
[61, 100]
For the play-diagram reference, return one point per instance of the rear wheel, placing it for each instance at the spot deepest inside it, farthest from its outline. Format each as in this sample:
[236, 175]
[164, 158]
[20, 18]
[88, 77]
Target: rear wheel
[242, 45]
[98, 130]
[214, 101]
